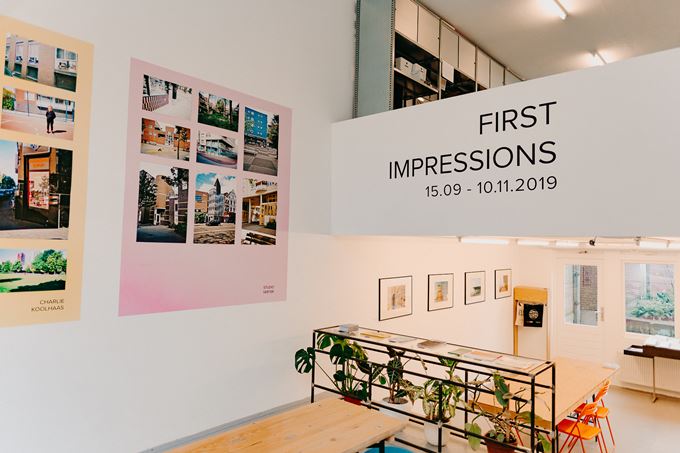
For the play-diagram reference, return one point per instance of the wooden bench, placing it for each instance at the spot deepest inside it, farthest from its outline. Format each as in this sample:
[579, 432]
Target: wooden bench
[329, 426]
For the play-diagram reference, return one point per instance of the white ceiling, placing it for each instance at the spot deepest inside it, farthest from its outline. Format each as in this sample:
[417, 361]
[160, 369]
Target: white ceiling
[527, 37]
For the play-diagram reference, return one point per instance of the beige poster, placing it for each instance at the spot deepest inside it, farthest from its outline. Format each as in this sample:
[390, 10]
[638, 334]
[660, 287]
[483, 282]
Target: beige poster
[44, 125]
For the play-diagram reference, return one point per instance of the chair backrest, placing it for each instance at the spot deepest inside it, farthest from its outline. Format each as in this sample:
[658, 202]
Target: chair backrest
[602, 392]
[588, 411]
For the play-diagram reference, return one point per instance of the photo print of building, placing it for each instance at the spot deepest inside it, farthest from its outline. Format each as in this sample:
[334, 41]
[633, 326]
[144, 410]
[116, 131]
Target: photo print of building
[215, 214]
[32, 270]
[33, 60]
[26, 111]
[166, 98]
[165, 140]
[35, 191]
[259, 212]
[215, 149]
[217, 111]
[261, 151]
[162, 203]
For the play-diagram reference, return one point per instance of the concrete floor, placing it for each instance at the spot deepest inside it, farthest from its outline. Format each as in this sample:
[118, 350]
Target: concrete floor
[639, 426]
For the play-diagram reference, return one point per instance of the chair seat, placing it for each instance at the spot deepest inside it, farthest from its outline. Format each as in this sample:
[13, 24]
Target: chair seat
[602, 412]
[585, 432]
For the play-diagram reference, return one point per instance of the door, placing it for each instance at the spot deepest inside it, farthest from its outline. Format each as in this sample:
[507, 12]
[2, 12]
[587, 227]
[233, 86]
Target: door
[579, 322]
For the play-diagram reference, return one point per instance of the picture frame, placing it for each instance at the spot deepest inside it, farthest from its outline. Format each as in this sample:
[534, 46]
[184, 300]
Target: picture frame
[475, 287]
[439, 291]
[395, 297]
[503, 283]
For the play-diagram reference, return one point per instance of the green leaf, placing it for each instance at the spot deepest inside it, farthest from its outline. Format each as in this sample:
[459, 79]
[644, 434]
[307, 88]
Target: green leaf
[339, 376]
[545, 443]
[473, 441]
[383, 380]
[324, 341]
[339, 353]
[304, 360]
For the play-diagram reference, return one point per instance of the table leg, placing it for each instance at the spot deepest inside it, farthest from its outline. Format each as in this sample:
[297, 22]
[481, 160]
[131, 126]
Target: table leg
[654, 397]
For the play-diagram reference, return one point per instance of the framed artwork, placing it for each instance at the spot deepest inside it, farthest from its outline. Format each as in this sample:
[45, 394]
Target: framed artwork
[439, 291]
[503, 279]
[395, 297]
[475, 287]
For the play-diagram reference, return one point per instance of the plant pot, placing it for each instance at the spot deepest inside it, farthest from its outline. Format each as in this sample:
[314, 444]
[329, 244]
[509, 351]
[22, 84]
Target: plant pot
[397, 405]
[493, 447]
[351, 399]
[432, 434]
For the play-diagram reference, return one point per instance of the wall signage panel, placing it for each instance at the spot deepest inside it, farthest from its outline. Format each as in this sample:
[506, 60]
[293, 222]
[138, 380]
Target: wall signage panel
[43, 173]
[579, 153]
[206, 195]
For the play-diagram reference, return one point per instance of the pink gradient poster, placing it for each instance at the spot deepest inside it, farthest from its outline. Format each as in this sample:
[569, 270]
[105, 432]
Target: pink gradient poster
[206, 195]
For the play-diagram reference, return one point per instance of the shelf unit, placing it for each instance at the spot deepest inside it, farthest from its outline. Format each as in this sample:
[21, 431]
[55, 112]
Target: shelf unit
[540, 379]
[389, 29]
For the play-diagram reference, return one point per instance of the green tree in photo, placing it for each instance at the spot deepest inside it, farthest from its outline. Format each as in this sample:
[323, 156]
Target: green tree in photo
[147, 189]
[6, 267]
[8, 99]
[182, 135]
[17, 267]
[7, 182]
[50, 262]
[273, 132]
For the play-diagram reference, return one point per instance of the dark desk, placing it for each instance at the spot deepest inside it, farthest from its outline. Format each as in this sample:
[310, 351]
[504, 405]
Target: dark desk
[652, 352]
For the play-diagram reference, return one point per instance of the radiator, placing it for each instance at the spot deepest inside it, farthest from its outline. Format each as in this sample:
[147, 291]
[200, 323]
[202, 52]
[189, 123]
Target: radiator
[638, 371]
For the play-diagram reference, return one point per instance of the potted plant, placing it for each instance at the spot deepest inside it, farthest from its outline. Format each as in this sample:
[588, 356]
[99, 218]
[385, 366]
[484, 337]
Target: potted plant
[505, 424]
[352, 371]
[439, 399]
[397, 385]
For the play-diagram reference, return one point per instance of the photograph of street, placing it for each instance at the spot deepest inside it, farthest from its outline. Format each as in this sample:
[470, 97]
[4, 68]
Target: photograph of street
[259, 212]
[32, 60]
[35, 191]
[215, 209]
[166, 98]
[32, 270]
[261, 152]
[165, 140]
[217, 150]
[33, 113]
[217, 111]
[162, 203]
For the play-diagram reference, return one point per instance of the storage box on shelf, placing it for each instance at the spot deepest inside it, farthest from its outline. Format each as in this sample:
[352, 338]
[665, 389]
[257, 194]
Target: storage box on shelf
[451, 389]
[396, 31]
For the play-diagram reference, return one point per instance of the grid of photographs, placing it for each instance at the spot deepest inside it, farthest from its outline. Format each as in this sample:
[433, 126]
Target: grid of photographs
[195, 140]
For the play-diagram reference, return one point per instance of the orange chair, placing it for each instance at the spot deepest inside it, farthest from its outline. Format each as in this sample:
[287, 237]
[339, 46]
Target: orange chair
[602, 411]
[580, 429]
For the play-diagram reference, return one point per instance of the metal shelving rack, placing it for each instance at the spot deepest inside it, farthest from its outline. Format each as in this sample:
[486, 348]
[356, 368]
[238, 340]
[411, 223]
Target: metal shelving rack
[468, 370]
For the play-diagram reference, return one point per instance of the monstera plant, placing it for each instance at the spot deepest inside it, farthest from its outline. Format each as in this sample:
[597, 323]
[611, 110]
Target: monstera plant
[352, 371]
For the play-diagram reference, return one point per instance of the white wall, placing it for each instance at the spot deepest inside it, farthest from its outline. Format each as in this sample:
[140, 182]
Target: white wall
[111, 384]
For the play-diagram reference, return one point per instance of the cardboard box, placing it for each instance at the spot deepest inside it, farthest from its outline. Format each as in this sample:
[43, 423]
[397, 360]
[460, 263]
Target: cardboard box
[403, 65]
[418, 72]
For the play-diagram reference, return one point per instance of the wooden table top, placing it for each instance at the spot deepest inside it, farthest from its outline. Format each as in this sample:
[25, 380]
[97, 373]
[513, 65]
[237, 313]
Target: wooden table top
[575, 382]
[330, 425]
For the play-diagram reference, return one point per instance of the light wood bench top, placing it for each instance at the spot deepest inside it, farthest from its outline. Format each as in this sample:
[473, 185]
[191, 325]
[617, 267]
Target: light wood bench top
[329, 426]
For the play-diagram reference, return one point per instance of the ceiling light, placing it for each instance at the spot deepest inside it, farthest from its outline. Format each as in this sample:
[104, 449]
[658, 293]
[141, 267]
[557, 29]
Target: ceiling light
[653, 245]
[557, 8]
[597, 59]
[490, 241]
[674, 245]
[533, 242]
[566, 244]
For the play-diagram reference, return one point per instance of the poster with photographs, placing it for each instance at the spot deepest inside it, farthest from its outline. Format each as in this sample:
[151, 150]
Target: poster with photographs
[503, 286]
[43, 173]
[439, 291]
[206, 195]
[475, 287]
[395, 297]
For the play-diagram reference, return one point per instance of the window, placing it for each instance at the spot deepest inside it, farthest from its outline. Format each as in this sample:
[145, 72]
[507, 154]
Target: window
[33, 48]
[580, 294]
[650, 298]
[19, 51]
